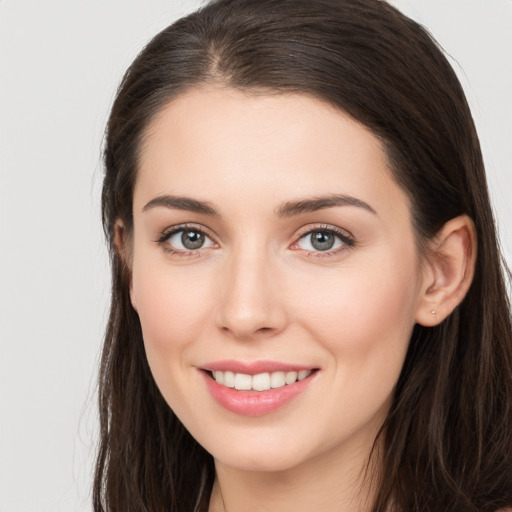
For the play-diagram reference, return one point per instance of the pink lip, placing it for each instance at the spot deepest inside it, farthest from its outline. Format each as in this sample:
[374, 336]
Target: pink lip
[253, 368]
[255, 403]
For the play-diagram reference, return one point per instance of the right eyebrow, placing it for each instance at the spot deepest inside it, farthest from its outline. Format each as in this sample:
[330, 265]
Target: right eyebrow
[181, 203]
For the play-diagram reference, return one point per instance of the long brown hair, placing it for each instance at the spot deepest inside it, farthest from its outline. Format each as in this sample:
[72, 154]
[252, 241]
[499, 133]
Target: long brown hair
[448, 436]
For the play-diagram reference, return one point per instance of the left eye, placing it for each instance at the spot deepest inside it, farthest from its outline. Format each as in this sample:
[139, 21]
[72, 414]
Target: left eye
[188, 240]
[320, 240]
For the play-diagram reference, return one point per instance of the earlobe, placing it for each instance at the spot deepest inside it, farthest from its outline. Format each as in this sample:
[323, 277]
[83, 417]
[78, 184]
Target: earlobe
[123, 249]
[448, 271]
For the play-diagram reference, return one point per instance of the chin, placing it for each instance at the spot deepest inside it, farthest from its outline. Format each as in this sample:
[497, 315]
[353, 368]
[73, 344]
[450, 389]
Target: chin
[274, 452]
[259, 461]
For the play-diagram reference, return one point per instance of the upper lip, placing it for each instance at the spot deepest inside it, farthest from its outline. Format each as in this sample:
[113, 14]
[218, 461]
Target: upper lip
[254, 367]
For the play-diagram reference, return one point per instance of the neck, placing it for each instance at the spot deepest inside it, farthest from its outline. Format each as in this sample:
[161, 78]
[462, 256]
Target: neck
[331, 481]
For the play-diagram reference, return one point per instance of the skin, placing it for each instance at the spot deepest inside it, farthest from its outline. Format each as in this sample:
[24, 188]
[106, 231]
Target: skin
[258, 290]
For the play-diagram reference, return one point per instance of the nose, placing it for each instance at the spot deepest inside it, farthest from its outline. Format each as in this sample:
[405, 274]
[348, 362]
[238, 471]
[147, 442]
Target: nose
[251, 302]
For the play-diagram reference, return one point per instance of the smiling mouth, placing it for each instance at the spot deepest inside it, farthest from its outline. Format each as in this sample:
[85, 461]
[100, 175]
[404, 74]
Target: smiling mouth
[247, 389]
[259, 382]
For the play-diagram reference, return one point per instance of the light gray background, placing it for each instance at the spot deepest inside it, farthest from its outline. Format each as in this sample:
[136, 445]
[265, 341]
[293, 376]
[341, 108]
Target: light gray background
[60, 63]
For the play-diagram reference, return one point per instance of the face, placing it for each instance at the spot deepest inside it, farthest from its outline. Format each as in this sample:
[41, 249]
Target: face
[273, 252]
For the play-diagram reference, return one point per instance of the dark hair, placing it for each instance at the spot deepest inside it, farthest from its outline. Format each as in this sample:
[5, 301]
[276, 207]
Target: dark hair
[448, 435]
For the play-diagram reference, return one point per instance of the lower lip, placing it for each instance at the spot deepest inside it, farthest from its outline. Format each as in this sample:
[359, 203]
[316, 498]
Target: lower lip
[255, 403]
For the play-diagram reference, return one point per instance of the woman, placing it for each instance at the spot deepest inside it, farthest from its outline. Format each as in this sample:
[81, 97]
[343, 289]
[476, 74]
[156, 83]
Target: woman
[308, 306]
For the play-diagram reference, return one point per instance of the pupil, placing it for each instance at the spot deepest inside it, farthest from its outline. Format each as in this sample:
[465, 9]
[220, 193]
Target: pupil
[192, 239]
[322, 241]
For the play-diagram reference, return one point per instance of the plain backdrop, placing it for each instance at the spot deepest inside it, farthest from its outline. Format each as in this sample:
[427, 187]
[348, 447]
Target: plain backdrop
[60, 63]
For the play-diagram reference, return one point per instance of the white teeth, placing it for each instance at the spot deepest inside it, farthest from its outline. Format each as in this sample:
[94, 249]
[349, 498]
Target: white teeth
[229, 379]
[277, 380]
[243, 381]
[303, 374]
[291, 377]
[259, 382]
[218, 376]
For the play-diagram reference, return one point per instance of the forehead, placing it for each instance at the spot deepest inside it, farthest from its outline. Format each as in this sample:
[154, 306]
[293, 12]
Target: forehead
[227, 144]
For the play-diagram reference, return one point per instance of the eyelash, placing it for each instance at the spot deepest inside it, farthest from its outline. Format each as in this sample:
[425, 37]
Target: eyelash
[347, 240]
[166, 235]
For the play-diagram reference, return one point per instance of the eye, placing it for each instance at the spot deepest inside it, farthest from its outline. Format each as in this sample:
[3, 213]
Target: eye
[186, 240]
[324, 240]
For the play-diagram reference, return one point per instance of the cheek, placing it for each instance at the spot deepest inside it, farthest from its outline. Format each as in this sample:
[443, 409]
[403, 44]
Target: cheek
[364, 314]
[172, 305]
[364, 321]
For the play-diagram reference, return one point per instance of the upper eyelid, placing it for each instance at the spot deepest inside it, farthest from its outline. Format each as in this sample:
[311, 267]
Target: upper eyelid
[167, 232]
[324, 227]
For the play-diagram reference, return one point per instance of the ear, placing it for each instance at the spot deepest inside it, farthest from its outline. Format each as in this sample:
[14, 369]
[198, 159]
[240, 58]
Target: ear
[448, 270]
[123, 243]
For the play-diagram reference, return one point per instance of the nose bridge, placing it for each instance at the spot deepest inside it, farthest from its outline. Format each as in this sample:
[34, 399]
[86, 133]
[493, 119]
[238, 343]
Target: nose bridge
[250, 303]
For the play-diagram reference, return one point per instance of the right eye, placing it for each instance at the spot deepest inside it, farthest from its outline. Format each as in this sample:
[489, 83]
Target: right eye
[185, 240]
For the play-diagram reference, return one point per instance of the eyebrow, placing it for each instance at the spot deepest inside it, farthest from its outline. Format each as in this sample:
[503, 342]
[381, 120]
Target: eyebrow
[288, 209]
[181, 203]
[292, 208]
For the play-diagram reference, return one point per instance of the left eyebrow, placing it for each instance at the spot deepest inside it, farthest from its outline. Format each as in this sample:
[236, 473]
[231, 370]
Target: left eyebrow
[291, 208]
